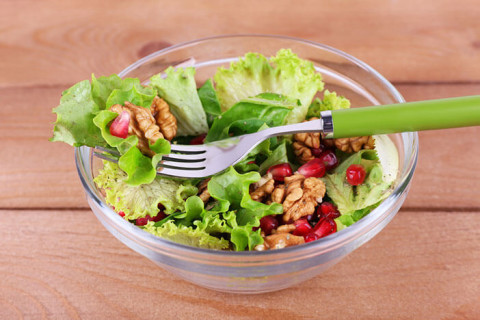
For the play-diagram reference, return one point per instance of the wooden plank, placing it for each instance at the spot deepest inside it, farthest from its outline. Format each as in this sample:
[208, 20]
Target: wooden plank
[65, 265]
[36, 173]
[406, 40]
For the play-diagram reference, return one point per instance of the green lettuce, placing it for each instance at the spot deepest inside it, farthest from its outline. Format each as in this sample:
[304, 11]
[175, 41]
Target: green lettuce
[139, 201]
[330, 102]
[210, 102]
[284, 74]
[75, 115]
[107, 91]
[187, 235]
[232, 189]
[354, 202]
[250, 114]
[179, 89]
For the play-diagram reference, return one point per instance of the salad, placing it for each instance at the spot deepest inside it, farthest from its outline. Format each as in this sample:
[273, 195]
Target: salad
[287, 191]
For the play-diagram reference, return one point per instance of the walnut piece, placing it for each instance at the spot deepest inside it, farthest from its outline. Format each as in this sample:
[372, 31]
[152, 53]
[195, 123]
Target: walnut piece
[279, 241]
[262, 191]
[164, 118]
[301, 196]
[145, 126]
[304, 142]
[353, 144]
[203, 191]
[142, 124]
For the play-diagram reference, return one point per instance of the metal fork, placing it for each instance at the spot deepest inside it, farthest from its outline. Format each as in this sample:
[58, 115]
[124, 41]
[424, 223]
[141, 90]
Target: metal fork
[200, 161]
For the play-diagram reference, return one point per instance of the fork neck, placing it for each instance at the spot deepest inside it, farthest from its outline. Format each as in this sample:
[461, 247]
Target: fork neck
[324, 124]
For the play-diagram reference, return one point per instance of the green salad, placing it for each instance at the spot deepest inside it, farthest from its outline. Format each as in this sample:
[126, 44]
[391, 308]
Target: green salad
[287, 191]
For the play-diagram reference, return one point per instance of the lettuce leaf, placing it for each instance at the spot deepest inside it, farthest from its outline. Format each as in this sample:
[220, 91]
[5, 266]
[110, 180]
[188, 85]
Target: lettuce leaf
[139, 201]
[284, 74]
[210, 102]
[232, 189]
[357, 201]
[187, 235]
[330, 102]
[179, 89]
[249, 115]
[75, 115]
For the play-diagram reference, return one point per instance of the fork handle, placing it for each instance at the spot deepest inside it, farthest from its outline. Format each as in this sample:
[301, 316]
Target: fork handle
[402, 117]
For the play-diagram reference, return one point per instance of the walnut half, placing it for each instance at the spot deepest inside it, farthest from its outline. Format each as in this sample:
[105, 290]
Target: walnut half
[147, 127]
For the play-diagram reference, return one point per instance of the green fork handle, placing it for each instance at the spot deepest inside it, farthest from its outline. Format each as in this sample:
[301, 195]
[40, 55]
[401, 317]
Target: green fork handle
[410, 116]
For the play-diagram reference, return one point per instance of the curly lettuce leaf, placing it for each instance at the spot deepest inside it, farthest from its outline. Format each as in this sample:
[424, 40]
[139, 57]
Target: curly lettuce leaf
[139, 201]
[330, 101]
[284, 74]
[249, 115]
[107, 91]
[81, 103]
[75, 115]
[187, 235]
[357, 201]
[210, 102]
[232, 189]
[179, 89]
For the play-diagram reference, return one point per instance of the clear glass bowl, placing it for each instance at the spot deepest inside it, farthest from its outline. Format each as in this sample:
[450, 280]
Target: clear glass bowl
[259, 271]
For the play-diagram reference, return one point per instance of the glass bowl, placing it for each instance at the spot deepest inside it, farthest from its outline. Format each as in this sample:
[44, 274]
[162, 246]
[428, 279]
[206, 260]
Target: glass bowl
[259, 271]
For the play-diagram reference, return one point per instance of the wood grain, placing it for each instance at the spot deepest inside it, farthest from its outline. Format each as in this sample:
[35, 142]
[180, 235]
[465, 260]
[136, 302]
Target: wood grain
[64, 265]
[36, 173]
[405, 40]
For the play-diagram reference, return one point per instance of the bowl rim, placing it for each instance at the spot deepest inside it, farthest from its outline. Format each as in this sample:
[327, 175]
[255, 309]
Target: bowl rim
[320, 246]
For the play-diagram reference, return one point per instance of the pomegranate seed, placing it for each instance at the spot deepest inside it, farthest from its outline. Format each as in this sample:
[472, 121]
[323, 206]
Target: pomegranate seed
[310, 218]
[119, 126]
[160, 216]
[316, 152]
[280, 171]
[329, 159]
[302, 227]
[268, 223]
[327, 209]
[324, 227]
[356, 174]
[312, 236]
[251, 162]
[198, 139]
[313, 168]
[121, 214]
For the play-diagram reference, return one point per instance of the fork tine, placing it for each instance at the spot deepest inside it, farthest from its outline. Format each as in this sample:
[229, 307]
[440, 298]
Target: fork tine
[181, 148]
[183, 165]
[185, 157]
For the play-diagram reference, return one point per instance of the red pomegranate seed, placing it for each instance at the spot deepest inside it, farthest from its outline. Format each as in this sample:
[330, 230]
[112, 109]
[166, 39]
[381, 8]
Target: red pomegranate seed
[324, 227]
[327, 209]
[302, 227]
[356, 174]
[121, 214]
[316, 152]
[280, 171]
[313, 168]
[119, 126]
[268, 223]
[329, 159]
[312, 236]
[160, 216]
[198, 139]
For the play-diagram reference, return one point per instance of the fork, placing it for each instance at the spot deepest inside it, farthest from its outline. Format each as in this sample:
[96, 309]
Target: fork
[198, 161]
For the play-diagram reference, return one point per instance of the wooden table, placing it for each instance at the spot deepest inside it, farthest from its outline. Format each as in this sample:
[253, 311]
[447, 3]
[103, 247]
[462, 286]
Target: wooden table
[57, 262]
